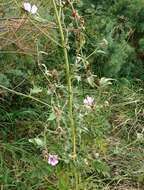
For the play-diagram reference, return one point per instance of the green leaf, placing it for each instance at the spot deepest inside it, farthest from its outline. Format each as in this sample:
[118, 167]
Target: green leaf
[4, 80]
[105, 81]
[37, 141]
[91, 81]
[35, 90]
[101, 167]
[52, 117]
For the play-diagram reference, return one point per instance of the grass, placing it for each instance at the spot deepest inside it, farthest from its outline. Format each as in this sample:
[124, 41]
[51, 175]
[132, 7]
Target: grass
[110, 144]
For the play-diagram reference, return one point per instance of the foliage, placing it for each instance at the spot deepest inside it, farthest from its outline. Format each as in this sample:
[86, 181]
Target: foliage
[120, 23]
[104, 44]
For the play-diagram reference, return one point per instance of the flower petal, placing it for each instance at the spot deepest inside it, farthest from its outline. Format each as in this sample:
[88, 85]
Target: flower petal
[34, 9]
[27, 7]
[53, 160]
[88, 101]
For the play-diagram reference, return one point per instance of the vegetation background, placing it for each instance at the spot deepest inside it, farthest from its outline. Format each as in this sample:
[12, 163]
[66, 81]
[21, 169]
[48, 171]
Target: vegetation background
[105, 45]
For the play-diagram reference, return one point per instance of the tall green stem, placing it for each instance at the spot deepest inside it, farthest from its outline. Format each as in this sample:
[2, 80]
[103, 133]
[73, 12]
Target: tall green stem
[69, 82]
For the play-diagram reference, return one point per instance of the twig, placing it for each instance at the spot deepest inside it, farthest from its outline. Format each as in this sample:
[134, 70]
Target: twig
[25, 95]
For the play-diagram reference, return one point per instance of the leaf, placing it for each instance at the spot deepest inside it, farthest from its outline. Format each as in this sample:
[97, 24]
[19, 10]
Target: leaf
[52, 117]
[4, 80]
[101, 52]
[91, 81]
[37, 141]
[102, 168]
[35, 90]
[105, 81]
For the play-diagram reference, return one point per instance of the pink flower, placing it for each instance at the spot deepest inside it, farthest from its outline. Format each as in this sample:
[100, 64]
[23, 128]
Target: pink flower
[30, 8]
[53, 160]
[88, 101]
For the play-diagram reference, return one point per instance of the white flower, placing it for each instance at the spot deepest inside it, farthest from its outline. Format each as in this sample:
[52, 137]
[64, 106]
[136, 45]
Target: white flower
[30, 8]
[27, 7]
[88, 101]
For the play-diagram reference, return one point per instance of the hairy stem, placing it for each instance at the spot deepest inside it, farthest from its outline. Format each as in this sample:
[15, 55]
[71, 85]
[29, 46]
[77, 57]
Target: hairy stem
[68, 75]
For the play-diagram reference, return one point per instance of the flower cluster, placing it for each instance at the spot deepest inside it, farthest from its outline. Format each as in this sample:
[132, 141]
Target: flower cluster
[30, 8]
